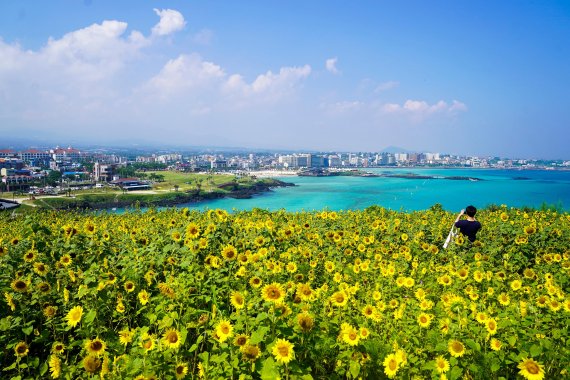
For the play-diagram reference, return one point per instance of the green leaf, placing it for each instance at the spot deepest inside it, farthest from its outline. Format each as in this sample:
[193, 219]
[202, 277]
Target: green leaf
[269, 370]
[354, 369]
[535, 350]
[257, 337]
[5, 323]
[495, 366]
[193, 347]
[28, 330]
[43, 368]
[83, 290]
[10, 367]
[455, 373]
[473, 345]
[90, 317]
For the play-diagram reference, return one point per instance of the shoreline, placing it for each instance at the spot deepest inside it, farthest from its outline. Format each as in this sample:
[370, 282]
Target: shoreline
[170, 199]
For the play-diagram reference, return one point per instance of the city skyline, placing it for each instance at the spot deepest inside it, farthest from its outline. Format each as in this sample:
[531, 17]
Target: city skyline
[480, 79]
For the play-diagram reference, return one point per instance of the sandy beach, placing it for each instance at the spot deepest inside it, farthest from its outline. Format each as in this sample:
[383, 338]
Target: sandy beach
[273, 173]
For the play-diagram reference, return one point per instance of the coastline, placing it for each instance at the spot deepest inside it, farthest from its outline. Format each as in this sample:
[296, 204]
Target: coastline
[139, 199]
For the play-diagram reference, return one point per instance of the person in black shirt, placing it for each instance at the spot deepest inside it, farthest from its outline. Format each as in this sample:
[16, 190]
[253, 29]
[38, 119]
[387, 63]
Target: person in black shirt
[469, 226]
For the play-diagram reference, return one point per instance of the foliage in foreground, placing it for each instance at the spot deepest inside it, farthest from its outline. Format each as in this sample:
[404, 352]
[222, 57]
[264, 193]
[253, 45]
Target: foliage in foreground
[358, 294]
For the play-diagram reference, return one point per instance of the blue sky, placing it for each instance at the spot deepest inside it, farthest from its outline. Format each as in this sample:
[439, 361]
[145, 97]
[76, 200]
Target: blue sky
[460, 77]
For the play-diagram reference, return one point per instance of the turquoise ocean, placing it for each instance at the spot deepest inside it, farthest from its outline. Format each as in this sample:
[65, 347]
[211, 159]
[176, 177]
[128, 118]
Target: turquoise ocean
[515, 188]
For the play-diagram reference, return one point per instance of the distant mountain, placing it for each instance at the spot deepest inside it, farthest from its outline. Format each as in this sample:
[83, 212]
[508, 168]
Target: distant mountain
[395, 149]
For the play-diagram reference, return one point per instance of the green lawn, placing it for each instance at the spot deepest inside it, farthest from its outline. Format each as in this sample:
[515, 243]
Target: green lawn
[188, 181]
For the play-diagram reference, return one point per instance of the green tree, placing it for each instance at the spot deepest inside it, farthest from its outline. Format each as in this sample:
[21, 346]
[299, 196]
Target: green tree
[53, 178]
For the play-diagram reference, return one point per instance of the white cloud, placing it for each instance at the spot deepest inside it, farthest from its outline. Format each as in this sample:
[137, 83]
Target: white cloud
[203, 37]
[386, 86]
[186, 72]
[69, 75]
[419, 110]
[458, 106]
[330, 64]
[266, 87]
[93, 52]
[170, 21]
[287, 78]
[343, 107]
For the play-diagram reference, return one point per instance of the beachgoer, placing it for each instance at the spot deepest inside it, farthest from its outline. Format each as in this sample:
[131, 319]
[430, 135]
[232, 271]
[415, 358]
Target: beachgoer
[469, 226]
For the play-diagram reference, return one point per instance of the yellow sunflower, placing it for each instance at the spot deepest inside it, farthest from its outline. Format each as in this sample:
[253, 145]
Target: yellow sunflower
[441, 364]
[496, 344]
[19, 286]
[49, 311]
[181, 370]
[491, 325]
[147, 342]
[58, 348]
[41, 268]
[339, 298]
[241, 340]
[171, 339]
[250, 352]
[30, 256]
[21, 349]
[126, 336]
[516, 284]
[95, 346]
[481, 317]
[305, 322]
[364, 333]
[65, 260]
[283, 351]
[129, 286]
[504, 299]
[74, 316]
[530, 369]
[143, 297]
[391, 365]
[424, 320]
[54, 366]
[91, 363]
[224, 330]
[273, 293]
[229, 252]
[368, 311]
[349, 334]
[456, 348]
[237, 300]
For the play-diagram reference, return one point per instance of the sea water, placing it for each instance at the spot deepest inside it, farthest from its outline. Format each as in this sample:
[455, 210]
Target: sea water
[516, 188]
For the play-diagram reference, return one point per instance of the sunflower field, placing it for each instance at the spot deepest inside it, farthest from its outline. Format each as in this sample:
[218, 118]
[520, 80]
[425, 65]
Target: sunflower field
[277, 295]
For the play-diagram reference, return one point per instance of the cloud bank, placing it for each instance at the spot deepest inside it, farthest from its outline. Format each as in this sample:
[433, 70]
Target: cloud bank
[108, 80]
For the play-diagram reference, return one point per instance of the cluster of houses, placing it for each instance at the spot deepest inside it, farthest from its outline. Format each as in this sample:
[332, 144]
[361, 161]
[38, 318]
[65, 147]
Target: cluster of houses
[20, 170]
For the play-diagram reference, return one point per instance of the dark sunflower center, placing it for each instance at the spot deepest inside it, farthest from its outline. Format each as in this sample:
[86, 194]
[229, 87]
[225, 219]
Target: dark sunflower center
[20, 285]
[532, 368]
[283, 350]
